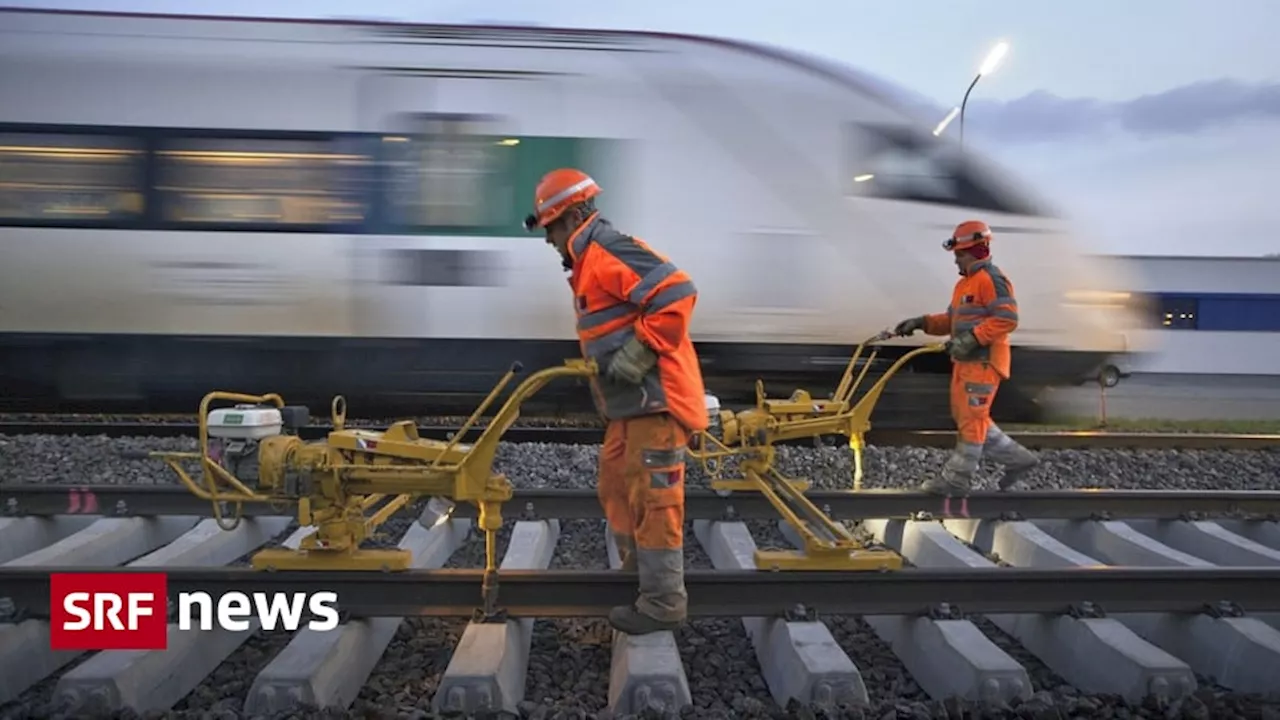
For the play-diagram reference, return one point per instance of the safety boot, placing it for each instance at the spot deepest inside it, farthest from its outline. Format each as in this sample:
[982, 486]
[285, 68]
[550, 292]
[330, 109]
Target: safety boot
[956, 479]
[663, 603]
[1017, 460]
[1014, 474]
[628, 619]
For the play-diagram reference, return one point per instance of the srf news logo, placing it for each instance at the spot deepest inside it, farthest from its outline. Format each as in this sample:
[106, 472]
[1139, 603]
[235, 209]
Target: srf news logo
[129, 611]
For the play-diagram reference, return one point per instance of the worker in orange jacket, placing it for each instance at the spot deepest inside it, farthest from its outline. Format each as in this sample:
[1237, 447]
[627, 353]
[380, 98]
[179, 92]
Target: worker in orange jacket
[982, 314]
[633, 308]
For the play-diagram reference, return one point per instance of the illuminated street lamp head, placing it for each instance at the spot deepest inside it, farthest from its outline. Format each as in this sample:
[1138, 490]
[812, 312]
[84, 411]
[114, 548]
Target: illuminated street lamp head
[993, 58]
[946, 121]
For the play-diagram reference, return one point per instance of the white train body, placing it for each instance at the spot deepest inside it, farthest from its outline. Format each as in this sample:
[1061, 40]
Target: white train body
[736, 161]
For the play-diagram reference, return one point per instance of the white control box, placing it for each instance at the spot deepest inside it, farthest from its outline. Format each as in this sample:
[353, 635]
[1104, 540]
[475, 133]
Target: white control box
[245, 422]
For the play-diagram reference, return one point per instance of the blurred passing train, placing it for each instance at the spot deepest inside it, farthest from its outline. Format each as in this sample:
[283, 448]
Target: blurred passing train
[320, 207]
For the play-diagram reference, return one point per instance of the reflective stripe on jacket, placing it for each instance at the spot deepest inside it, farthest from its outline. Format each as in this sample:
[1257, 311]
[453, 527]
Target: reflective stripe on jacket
[623, 289]
[983, 302]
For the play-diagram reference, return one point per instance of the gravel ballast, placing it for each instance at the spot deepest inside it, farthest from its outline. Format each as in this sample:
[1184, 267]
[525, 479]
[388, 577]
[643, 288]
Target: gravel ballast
[94, 460]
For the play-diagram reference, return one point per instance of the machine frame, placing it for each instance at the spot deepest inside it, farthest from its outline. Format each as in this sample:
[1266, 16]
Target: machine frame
[335, 483]
[751, 436]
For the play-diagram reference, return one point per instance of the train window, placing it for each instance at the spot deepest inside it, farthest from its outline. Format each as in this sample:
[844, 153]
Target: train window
[1238, 312]
[1178, 313]
[260, 182]
[454, 182]
[61, 178]
[900, 163]
[448, 181]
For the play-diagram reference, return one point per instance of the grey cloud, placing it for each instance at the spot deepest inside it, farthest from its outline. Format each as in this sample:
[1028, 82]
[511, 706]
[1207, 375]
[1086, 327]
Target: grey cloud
[1199, 106]
[1043, 116]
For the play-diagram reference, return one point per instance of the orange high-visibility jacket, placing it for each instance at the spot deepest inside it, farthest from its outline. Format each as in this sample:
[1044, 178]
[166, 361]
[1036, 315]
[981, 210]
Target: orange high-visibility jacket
[983, 302]
[623, 289]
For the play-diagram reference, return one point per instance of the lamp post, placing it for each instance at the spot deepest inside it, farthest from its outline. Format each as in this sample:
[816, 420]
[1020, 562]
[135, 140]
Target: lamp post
[988, 66]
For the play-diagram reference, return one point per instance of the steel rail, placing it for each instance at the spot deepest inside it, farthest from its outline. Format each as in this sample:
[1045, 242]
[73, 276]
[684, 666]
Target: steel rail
[1086, 440]
[577, 593]
[700, 504]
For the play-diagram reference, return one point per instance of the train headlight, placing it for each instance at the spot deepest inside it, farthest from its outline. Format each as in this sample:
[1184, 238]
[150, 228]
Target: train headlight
[1097, 299]
[1122, 311]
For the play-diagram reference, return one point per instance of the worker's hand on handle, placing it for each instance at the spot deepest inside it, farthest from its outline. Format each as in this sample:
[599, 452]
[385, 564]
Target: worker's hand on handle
[631, 362]
[907, 327]
[962, 345]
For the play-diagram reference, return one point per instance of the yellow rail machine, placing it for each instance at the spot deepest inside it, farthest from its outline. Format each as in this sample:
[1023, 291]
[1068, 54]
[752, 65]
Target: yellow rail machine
[749, 438]
[249, 453]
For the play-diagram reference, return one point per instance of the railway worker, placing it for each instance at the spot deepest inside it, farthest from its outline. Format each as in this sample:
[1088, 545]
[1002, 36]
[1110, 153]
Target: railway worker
[982, 314]
[633, 308]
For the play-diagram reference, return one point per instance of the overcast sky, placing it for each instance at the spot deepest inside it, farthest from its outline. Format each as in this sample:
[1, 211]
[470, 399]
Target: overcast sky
[1154, 123]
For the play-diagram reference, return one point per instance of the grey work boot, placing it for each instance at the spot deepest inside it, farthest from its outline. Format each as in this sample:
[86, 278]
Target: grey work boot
[1017, 460]
[956, 479]
[663, 603]
[626, 545]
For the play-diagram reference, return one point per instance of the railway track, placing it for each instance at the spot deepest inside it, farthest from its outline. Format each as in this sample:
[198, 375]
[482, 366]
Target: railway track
[995, 609]
[576, 435]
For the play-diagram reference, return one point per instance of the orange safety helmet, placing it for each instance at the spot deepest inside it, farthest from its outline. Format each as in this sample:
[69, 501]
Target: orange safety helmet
[558, 191]
[968, 234]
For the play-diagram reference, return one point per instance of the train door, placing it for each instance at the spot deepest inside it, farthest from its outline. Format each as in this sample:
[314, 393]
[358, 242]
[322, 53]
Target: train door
[449, 259]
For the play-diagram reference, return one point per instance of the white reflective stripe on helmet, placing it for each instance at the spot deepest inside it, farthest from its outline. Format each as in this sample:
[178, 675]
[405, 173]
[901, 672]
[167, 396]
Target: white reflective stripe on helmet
[985, 234]
[567, 192]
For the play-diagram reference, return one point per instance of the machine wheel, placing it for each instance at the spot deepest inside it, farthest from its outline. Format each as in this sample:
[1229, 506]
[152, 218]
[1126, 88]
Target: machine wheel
[1109, 376]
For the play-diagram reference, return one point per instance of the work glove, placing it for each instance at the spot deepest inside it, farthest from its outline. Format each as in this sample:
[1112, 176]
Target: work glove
[962, 345]
[909, 326]
[631, 362]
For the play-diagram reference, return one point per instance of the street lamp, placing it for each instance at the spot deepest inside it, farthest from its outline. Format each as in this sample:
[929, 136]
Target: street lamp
[946, 121]
[988, 66]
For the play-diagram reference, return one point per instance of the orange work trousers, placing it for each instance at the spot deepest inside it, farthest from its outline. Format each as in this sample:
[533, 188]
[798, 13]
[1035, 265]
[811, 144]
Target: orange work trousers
[973, 389]
[641, 483]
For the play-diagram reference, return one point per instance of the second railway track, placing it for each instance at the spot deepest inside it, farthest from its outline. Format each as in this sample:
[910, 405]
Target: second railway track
[578, 435]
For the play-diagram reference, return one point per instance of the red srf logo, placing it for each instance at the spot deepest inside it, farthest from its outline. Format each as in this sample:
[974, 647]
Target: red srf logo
[107, 611]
